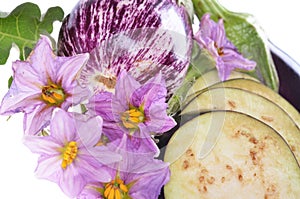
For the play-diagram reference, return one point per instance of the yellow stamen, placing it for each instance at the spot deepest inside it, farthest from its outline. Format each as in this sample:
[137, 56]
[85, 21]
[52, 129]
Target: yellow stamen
[123, 188]
[69, 154]
[117, 194]
[108, 188]
[132, 118]
[111, 194]
[115, 189]
[53, 94]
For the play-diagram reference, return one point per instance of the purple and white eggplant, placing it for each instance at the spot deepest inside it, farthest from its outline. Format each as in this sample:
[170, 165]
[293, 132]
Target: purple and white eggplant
[142, 37]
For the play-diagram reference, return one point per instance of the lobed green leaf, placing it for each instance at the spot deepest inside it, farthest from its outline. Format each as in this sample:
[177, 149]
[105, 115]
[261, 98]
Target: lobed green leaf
[23, 26]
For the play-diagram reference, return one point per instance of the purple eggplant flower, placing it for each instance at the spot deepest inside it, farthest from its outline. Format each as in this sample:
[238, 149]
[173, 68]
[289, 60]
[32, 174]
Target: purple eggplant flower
[136, 176]
[211, 37]
[42, 83]
[138, 110]
[142, 37]
[69, 156]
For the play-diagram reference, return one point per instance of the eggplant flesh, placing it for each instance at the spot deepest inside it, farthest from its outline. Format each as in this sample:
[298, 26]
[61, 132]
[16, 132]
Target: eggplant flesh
[249, 103]
[225, 154]
[259, 89]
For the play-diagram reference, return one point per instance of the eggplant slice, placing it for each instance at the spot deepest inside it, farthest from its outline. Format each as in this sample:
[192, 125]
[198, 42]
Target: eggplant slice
[225, 154]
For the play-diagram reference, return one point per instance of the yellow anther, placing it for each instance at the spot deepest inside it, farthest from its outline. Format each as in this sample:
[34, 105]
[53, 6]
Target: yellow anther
[123, 188]
[115, 189]
[117, 194]
[69, 154]
[53, 94]
[108, 188]
[132, 118]
[111, 194]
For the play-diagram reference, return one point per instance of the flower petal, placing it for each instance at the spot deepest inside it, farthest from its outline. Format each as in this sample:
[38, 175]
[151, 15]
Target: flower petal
[211, 36]
[43, 59]
[69, 68]
[49, 168]
[113, 131]
[42, 145]
[89, 130]
[134, 155]
[104, 155]
[24, 92]
[236, 60]
[26, 77]
[63, 126]
[90, 192]
[72, 182]
[38, 119]
[93, 170]
[150, 184]
[152, 91]
[125, 87]
[101, 104]
[220, 35]
[77, 94]
[160, 121]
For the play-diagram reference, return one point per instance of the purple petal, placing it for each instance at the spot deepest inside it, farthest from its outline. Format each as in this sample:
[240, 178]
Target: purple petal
[212, 49]
[220, 37]
[38, 119]
[236, 60]
[72, 182]
[142, 145]
[63, 126]
[49, 167]
[42, 59]
[103, 155]
[77, 94]
[134, 159]
[101, 104]
[94, 173]
[160, 121]
[26, 77]
[156, 38]
[211, 36]
[150, 184]
[207, 25]
[89, 131]
[223, 72]
[42, 145]
[231, 60]
[205, 31]
[125, 87]
[152, 91]
[89, 192]
[113, 131]
[24, 92]
[69, 68]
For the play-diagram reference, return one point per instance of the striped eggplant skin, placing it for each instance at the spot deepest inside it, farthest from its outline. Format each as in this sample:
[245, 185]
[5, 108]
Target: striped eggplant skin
[141, 37]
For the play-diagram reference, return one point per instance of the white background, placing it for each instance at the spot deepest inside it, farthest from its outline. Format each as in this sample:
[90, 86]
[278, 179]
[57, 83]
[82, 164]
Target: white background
[17, 164]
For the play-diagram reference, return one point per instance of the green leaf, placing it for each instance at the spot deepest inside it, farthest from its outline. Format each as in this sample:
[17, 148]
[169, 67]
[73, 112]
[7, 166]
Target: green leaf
[23, 26]
[10, 80]
[246, 35]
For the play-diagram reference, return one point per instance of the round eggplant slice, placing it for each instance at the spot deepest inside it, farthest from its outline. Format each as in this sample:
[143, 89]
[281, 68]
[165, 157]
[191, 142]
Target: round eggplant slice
[249, 103]
[230, 155]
